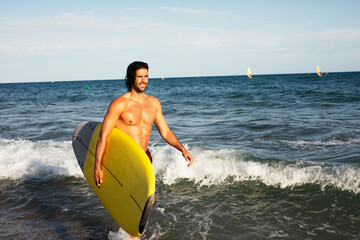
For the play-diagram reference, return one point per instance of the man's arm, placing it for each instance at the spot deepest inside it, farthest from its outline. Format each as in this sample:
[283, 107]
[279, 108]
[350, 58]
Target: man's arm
[168, 135]
[112, 115]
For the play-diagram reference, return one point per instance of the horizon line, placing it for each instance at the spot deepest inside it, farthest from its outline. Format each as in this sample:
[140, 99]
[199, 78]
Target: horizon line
[123, 79]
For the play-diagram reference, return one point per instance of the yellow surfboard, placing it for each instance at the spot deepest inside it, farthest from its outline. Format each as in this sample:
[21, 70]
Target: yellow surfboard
[128, 187]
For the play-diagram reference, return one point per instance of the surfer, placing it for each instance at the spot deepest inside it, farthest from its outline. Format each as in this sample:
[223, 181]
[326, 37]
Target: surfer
[134, 113]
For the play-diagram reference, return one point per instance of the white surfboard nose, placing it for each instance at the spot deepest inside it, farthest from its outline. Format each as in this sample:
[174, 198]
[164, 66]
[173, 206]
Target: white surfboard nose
[81, 140]
[78, 129]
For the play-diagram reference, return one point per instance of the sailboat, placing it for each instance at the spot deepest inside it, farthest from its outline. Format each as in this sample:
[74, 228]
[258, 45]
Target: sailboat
[249, 73]
[318, 71]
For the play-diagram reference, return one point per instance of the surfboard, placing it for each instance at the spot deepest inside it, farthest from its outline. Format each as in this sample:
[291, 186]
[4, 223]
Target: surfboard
[128, 187]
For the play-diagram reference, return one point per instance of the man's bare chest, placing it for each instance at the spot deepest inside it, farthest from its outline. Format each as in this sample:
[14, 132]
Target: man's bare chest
[136, 114]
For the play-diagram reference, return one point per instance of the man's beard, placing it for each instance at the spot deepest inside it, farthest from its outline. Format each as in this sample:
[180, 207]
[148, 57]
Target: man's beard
[139, 89]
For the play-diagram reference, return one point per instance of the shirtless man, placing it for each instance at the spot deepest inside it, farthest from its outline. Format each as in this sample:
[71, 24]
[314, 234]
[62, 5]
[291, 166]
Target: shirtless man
[134, 113]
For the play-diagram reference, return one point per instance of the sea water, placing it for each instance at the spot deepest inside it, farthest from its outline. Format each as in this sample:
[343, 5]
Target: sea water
[276, 157]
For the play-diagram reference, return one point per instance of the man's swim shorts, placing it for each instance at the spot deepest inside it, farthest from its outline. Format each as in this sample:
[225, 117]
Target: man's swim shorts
[149, 155]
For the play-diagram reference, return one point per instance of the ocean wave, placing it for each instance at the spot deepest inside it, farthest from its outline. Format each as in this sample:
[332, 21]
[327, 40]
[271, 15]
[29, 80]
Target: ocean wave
[303, 144]
[321, 144]
[23, 159]
[214, 167]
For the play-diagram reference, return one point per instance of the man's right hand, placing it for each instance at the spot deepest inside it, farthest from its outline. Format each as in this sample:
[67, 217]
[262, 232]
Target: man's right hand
[98, 175]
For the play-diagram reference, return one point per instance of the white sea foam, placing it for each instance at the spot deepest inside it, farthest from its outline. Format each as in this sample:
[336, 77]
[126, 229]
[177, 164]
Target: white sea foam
[217, 166]
[120, 235]
[303, 144]
[321, 144]
[23, 159]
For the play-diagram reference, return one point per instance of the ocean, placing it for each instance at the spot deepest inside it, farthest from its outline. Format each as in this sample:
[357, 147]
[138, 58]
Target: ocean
[276, 157]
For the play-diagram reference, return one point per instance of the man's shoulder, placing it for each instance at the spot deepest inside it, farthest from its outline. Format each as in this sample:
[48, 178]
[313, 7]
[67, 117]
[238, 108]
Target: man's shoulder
[122, 100]
[153, 100]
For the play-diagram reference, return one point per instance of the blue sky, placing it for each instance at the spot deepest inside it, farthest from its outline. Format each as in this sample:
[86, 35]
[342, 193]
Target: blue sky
[86, 40]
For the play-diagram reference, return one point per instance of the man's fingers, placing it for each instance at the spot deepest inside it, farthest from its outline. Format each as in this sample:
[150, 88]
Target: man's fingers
[99, 182]
[98, 178]
[190, 160]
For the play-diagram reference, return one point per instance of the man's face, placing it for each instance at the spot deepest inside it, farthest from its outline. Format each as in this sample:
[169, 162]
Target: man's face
[141, 80]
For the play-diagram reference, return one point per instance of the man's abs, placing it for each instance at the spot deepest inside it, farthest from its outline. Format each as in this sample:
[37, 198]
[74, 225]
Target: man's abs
[140, 134]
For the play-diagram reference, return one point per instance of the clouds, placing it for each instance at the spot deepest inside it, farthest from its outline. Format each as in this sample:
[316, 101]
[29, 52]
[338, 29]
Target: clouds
[189, 11]
[202, 40]
[65, 31]
[87, 31]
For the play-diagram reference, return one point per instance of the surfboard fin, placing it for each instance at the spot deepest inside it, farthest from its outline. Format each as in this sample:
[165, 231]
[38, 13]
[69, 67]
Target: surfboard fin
[145, 213]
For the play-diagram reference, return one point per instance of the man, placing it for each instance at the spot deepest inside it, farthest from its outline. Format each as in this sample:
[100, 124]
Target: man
[134, 113]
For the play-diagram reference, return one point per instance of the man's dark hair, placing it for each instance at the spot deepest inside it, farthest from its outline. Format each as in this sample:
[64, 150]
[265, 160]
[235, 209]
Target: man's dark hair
[131, 72]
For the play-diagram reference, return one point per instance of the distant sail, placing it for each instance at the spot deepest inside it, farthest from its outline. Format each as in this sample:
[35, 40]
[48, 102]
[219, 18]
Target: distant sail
[249, 73]
[318, 71]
